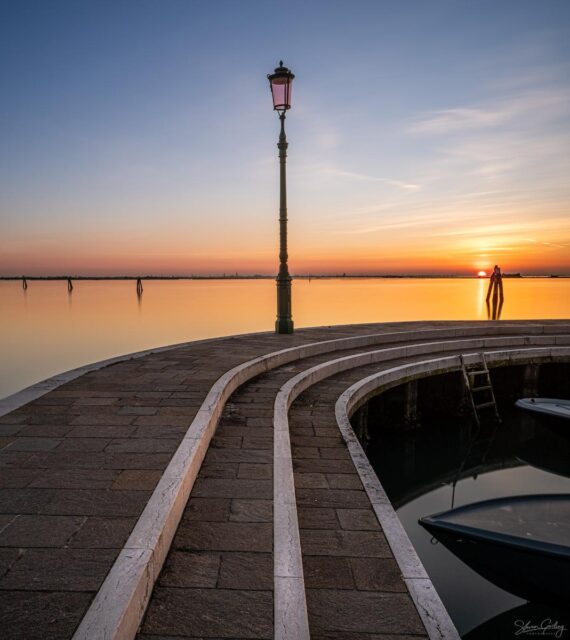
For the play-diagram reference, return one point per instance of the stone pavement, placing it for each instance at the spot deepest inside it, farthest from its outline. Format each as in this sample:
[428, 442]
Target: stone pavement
[78, 465]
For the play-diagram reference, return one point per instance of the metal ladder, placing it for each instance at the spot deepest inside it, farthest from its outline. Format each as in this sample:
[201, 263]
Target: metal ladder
[475, 389]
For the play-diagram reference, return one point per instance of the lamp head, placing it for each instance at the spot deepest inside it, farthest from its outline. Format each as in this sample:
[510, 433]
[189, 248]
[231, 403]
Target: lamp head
[281, 81]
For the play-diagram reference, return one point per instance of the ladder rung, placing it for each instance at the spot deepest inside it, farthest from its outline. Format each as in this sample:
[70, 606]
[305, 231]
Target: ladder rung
[485, 388]
[478, 373]
[484, 404]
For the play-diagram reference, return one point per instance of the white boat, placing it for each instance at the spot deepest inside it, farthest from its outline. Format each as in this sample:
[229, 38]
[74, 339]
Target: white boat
[546, 407]
[521, 544]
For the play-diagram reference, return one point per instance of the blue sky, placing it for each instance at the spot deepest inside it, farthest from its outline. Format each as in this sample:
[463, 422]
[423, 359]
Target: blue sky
[138, 136]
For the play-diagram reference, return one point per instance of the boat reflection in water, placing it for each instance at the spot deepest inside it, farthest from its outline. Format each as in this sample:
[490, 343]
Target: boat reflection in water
[521, 544]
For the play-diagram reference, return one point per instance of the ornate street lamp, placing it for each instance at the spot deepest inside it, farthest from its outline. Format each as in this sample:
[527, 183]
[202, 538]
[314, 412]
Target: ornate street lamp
[281, 81]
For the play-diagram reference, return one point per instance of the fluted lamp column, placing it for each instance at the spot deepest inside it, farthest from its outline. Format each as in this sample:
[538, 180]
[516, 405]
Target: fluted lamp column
[280, 82]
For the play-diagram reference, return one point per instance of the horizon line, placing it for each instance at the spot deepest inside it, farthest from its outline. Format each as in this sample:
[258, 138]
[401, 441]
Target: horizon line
[258, 276]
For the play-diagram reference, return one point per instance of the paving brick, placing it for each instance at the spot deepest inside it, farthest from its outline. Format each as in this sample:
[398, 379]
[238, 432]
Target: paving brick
[344, 543]
[103, 533]
[162, 431]
[311, 481]
[305, 453]
[224, 536]
[219, 470]
[8, 557]
[190, 569]
[33, 444]
[93, 502]
[323, 466]
[258, 442]
[83, 444]
[344, 481]
[255, 471]
[242, 510]
[362, 612]
[137, 411]
[142, 421]
[377, 574]
[226, 442]
[20, 501]
[240, 455]
[332, 498]
[143, 445]
[316, 441]
[324, 572]
[137, 479]
[40, 531]
[205, 613]
[332, 453]
[16, 478]
[207, 509]
[317, 518]
[101, 431]
[100, 419]
[59, 570]
[358, 519]
[45, 430]
[40, 615]
[246, 571]
[234, 488]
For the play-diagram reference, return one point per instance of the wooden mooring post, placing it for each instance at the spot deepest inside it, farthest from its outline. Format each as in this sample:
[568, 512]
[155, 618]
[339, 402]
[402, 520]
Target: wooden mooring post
[411, 404]
[24, 283]
[69, 285]
[530, 380]
[495, 285]
[139, 287]
[496, 291]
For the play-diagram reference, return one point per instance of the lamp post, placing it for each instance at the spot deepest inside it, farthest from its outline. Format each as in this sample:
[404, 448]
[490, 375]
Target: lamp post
[281, 81]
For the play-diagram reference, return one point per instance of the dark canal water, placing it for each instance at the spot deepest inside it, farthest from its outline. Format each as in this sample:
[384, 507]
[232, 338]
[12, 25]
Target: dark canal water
[446, 462]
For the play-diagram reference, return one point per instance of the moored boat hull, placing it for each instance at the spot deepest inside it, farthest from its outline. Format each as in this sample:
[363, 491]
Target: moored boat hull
[520, 544]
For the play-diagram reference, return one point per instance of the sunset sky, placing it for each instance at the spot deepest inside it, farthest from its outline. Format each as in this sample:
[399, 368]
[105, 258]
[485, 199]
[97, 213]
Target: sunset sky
[138, 137]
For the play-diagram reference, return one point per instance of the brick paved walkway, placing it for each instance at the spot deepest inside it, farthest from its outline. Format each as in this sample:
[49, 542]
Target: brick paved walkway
[78, 465]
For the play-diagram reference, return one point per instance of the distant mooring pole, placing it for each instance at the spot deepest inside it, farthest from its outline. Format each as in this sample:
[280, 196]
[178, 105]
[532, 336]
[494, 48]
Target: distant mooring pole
[280, 82]
[495, 285]
[495, 290]
[69, 285]
[24, 283]
[139, 287]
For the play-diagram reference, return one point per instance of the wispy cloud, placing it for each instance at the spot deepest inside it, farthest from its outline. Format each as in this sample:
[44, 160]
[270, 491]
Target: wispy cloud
[544, 102]
[360, 177]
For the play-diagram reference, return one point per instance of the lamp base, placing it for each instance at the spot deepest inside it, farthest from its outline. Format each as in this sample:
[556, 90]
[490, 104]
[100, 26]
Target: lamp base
[284, 325]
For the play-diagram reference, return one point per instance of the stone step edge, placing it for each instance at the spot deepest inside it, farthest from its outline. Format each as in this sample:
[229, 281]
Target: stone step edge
[290, 609]
[432, 611]
[40, 388]
[119, 605]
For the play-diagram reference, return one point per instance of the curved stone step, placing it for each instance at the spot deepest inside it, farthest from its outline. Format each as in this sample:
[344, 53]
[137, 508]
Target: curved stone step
[288, 564]
[121, 601]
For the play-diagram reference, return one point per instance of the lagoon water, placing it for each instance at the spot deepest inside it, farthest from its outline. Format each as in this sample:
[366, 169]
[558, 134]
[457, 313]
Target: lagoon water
[45, 330]
[449, 464]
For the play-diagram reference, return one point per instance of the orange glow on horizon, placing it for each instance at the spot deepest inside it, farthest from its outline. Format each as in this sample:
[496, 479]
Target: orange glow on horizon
[455, 250]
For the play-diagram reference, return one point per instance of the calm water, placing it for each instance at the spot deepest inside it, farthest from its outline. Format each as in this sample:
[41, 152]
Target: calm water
[45, 330]
[418, 470]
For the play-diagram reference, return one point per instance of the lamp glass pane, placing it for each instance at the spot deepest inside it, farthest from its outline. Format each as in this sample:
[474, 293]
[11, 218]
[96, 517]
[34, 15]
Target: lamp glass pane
[281, 90]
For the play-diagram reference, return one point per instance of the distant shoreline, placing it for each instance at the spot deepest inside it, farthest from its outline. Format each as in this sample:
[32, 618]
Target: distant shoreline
[338, 276]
